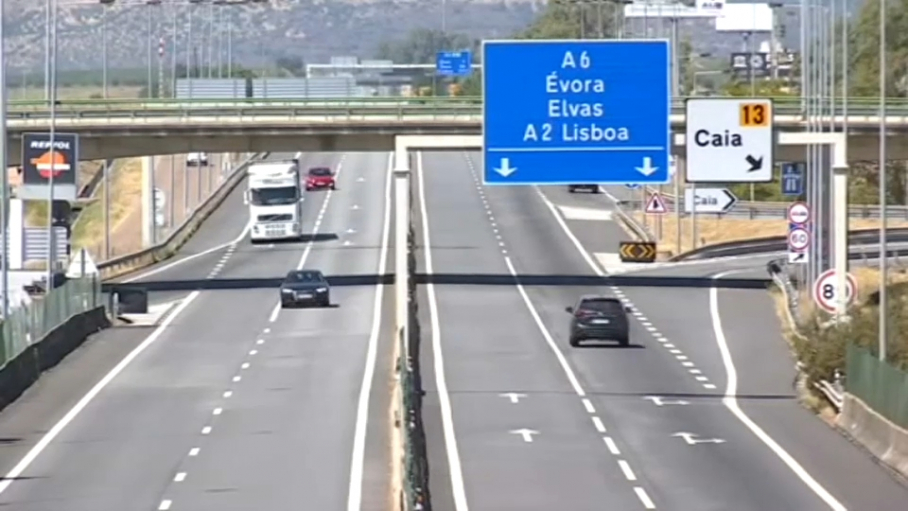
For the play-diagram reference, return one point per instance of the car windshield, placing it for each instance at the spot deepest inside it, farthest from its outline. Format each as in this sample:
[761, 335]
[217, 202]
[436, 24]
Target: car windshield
[320, 171]
[274, 196]
[607, 306]
[305, 276]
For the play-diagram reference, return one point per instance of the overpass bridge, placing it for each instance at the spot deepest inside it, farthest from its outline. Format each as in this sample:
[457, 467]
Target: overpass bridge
[124, 128]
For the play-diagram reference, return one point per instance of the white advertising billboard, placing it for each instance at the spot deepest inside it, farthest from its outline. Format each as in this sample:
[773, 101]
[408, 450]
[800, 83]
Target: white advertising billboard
[745, 18]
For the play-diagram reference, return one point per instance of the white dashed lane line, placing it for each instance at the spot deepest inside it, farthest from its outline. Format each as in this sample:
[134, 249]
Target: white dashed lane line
[612, 447]
[222, 261]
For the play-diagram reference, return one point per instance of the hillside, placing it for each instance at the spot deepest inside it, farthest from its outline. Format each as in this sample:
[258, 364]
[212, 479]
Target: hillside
[311, 29]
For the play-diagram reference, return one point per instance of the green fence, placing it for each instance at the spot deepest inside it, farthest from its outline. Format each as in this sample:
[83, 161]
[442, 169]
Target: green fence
[28, 324]
[882, 386]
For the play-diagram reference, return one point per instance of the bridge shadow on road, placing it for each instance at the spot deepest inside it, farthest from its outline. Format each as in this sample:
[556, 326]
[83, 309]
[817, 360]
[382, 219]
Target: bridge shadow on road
[455, 279]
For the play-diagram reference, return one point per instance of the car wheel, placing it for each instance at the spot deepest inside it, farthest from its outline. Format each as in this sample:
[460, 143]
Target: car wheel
[570, 189]
[624, 341]
[595, 189]
[324, 302]
[333, 186]
[574, 341]
[285, 304]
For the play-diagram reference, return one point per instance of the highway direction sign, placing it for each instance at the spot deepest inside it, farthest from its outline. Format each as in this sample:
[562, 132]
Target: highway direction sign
[825, 293]
[798, 213]
[637, 251]
[792, 179]
[798, 239]
[656, 205]
[572, 111]
[453, 63]
[709, 200]
[729, 140]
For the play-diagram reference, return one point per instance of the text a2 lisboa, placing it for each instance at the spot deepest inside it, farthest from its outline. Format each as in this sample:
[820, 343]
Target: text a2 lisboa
[574, 121]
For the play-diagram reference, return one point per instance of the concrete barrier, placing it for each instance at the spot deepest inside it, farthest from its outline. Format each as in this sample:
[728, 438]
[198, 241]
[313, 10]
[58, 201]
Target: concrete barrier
[885, 440]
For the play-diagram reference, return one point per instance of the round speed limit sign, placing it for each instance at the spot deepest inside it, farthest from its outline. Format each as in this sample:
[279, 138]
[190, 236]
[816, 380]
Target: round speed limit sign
[798, 239]
[824, 290]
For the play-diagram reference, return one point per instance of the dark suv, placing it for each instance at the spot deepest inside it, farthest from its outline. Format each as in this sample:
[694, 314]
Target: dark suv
[599, 317]
[588, 187]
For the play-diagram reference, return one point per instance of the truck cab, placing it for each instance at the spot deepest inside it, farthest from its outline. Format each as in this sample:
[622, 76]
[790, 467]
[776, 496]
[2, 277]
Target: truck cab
[275, 200]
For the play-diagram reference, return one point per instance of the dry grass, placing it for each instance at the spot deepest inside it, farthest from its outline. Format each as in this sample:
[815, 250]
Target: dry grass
[717, 229]
[80, 92]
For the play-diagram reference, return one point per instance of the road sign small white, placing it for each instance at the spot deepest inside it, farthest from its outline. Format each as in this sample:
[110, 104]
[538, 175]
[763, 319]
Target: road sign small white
[729, 140]
[709, 200]
[825, 292]
[798, 213]
[799, 257]
[798, 239]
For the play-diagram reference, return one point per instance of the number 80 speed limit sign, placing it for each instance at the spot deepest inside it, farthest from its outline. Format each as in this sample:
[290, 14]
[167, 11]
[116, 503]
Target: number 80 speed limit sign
[824, 291]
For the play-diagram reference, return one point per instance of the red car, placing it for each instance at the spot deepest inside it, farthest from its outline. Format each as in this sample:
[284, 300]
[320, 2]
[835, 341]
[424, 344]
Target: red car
[319, 178]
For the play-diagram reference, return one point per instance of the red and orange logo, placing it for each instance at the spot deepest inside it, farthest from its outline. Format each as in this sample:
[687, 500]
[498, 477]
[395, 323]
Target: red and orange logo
[51, 162]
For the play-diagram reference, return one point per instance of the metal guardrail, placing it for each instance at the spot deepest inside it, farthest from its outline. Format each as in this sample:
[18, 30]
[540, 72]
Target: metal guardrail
[897, 108]
[130, 262]
[29, 323]
[772, 209]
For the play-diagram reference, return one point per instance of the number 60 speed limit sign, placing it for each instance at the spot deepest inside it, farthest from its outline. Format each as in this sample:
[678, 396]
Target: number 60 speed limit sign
[798, 239]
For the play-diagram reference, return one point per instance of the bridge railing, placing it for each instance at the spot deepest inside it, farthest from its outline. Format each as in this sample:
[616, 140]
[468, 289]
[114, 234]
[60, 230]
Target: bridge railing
[786, 105]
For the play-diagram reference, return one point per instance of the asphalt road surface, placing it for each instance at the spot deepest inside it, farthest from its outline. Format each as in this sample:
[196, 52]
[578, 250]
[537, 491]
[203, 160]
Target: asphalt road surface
[233, 403]
[698, 414]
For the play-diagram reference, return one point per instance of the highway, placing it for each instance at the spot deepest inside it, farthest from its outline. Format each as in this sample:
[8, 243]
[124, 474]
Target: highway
[699, 414]
[231, 403]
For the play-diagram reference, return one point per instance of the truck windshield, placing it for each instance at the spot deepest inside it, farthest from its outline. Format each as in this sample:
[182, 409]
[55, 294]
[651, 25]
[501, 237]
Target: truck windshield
[274, 196]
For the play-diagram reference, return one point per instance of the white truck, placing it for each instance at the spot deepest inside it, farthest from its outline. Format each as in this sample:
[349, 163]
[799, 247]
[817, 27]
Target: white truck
[275, 200]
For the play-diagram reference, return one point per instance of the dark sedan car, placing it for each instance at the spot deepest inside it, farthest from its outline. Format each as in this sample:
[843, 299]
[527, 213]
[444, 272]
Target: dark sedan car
[588, 187]
[599, 317]
[307, 287]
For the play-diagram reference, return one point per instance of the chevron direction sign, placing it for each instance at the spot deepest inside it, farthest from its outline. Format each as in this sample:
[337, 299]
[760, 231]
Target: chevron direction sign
[637, 252]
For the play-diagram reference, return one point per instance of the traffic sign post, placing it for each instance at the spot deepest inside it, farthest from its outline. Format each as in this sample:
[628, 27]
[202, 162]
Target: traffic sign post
[709, 200]
[825, 291]
[729, 140]
[453, 63]
[792, 179]
[576, 111]
[637, 251]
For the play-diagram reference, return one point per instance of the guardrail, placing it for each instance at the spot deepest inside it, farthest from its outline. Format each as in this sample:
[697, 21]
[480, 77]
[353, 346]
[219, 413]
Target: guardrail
[130, 262]
[771, 209]
[897, 108]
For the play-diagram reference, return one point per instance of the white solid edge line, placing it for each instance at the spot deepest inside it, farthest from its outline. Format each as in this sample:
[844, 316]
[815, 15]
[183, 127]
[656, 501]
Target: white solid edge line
[354, 495]
[562, 360]
[90, 395]
[188, 258]
[444, 401]
[730, 401]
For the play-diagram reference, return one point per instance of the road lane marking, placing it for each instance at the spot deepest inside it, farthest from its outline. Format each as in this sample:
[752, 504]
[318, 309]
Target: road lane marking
[360, 428]
[89, 396]
[194, 452]
[180, 477]
[588, 405]
[540, 324]
[644, 498]
[458, 490]
[165, 505]
[730, 400]
[206, 430]
[626, 469]
[228, 393]
[217, 411]
[610, 444]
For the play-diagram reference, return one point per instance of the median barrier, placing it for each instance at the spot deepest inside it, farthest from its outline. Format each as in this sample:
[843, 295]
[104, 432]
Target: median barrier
[886, 441]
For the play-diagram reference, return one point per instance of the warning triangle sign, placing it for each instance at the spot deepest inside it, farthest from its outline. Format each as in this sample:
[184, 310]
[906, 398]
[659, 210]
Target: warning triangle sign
[656, 204]
[81, 265]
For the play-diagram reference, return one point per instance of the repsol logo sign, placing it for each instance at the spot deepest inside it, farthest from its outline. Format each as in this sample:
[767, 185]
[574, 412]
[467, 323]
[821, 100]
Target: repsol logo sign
[60, 145]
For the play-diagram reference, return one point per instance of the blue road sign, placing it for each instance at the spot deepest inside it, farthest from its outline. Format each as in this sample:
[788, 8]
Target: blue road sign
[561, 112]
[454, 63]
[792, 179]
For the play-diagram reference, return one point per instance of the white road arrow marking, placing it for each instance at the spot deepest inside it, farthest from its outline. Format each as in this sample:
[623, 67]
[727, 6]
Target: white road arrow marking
[658, 401]
[513, 396]
[691, 439]
[527, 434]
[647, 169]
[505, 168]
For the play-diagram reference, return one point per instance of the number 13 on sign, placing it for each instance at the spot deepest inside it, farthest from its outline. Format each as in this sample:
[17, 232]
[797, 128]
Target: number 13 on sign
[824, 291]
[755, 115]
